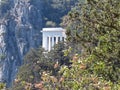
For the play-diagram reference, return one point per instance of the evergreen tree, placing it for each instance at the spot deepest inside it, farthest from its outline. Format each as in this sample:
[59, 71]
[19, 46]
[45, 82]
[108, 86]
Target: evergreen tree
[97, 30]
[94, 25]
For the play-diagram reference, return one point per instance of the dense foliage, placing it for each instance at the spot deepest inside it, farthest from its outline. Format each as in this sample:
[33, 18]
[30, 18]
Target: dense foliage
[97, 30]
[55, 10]
[2, 86]
[94, 26]
[37, 62]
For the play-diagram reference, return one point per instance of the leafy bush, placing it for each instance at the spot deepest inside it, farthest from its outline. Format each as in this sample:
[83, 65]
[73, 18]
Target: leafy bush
[2, 86]
[94, 26]
[36, 62]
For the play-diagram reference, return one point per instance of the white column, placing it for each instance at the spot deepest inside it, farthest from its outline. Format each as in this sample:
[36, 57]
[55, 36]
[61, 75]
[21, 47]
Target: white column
[60, 38]
[56, 40]
[49, 44]
[44, 41]
[52, 41]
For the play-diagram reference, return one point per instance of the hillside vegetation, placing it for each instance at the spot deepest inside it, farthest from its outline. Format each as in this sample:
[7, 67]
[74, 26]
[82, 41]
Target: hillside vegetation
[90, 58]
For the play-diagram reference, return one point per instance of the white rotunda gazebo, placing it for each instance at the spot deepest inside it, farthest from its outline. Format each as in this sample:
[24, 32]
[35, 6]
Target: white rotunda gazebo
[52, 36]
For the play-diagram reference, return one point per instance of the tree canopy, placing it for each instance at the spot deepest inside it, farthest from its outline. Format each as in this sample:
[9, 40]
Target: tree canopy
[94, 26]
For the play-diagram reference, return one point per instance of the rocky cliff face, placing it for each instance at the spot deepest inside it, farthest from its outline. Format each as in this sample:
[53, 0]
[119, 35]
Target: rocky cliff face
[18, 33]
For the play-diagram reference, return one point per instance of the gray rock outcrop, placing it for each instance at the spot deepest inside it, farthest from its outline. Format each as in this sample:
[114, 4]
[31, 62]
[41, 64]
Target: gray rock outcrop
[18, 33]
